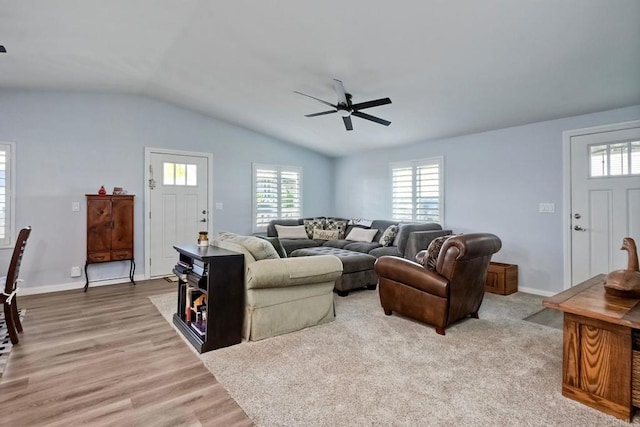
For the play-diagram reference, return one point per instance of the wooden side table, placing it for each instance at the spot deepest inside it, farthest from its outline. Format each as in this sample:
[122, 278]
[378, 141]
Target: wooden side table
[597, 346]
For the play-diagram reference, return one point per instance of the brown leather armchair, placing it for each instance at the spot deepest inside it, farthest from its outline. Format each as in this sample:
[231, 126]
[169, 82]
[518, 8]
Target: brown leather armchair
[453, 291]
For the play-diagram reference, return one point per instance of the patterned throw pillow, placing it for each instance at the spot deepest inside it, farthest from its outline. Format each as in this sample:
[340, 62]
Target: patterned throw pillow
[336, 224]
[319, 234]
[389, 235]
[433, 250]
[310, 224]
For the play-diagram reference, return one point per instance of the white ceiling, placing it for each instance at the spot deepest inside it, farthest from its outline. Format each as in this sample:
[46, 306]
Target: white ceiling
[449, 67]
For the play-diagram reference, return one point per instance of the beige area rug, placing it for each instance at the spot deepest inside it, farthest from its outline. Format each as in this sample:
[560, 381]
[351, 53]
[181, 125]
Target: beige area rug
[366, 368]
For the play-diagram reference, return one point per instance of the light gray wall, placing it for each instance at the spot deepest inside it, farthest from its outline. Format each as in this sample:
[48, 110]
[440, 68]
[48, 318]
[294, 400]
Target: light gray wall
[494, 182]
[70, 143]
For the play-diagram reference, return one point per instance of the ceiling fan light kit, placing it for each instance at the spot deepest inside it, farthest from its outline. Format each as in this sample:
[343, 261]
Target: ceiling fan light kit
[347, 108]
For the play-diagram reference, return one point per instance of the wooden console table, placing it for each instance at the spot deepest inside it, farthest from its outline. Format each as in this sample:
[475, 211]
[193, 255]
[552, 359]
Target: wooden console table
[597, 349]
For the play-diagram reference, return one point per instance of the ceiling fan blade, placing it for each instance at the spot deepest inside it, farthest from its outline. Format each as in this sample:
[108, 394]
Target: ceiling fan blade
[370, 117]
[317, 99]
[342, 95]
[347, 122]
[321, 114]
[369, 104]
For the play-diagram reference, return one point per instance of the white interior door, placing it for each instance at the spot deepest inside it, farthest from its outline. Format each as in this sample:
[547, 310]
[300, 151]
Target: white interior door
[178, 206]
[605, 200]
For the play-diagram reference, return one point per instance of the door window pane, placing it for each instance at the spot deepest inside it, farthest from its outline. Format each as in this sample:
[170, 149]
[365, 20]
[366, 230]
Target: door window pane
[168, 173]
[615, 159]
[635, 157]
[180, 174]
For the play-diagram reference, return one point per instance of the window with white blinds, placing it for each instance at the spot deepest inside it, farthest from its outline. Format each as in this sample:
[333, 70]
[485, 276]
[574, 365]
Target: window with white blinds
[277, 194]
[7, 156]
[417, 190]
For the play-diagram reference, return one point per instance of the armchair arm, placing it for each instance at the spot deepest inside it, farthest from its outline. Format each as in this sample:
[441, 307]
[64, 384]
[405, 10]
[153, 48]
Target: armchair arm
[412, 274]
[283, 272]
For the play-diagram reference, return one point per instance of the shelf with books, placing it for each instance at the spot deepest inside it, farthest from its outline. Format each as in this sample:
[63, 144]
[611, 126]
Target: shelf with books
[210, 296]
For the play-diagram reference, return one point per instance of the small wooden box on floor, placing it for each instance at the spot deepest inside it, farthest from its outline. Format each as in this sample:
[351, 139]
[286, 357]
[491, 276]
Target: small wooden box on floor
[501, 278]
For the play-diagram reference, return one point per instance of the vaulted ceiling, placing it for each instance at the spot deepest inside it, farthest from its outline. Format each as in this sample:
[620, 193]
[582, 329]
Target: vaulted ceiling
[449, 67]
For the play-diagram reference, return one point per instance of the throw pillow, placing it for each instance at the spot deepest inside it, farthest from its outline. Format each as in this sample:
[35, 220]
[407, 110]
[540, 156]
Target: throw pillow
[358, 234]
[310, 224]
[336, 224]
[430, 260]
[389, 235]
[259, 248]
[275, 242]
[325, 234]
[291, 232]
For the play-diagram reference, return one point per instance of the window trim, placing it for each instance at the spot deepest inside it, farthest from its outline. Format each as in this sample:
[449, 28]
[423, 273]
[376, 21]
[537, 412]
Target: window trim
[429, 161]
[10, 179]
[279, 169]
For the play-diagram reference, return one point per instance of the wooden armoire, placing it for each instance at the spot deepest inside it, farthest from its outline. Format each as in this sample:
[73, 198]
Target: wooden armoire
[109, 231]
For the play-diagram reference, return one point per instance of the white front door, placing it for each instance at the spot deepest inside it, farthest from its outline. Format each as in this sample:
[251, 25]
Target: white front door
[178, 206]
[605, 200]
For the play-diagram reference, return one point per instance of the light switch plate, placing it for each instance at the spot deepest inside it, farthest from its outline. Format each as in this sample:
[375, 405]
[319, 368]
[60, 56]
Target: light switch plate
[219, 206]
[547, 208]
[75, 207]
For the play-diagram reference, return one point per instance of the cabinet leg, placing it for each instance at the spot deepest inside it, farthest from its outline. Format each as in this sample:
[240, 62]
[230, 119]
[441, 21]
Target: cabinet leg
[86, 285]
[132, 270]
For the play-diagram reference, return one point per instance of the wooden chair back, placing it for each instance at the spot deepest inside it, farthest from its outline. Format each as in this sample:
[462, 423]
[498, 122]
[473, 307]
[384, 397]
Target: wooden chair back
[16, 259]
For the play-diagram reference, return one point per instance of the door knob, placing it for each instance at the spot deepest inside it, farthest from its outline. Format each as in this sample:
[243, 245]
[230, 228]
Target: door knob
[203, 220]
[578, 228]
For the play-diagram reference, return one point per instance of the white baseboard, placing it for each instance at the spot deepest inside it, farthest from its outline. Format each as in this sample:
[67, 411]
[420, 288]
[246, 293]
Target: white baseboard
[76, 285]
[535, 291]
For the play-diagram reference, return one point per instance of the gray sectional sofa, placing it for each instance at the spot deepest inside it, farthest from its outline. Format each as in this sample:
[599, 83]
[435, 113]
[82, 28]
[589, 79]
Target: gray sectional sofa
[357, 257]
[411, 237]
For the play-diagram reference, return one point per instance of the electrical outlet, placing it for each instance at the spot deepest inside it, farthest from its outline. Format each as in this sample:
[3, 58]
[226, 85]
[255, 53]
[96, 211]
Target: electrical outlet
[75, 207]
[75, 271]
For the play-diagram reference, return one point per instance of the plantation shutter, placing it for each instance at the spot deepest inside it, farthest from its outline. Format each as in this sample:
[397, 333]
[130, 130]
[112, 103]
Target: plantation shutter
[277, 194]
[417, 190]
[5, 195]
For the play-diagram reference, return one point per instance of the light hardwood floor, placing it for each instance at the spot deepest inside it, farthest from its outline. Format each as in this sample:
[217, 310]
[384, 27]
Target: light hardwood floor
[107, 357]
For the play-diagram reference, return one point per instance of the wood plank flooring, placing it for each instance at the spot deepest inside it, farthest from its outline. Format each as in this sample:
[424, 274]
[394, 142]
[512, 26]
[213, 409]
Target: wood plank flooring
[107, 357]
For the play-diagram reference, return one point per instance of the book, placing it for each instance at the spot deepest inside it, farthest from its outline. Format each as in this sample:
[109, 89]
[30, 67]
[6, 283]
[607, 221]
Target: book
[200, 326]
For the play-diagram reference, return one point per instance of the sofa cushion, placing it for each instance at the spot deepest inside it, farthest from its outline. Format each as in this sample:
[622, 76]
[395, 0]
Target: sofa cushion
[364, 247]
[236, 247]
[336, 243]
[259, 248]
[362, 234]
[275, 242]
[291, 232]
[389, 235]
[385, 250]
[291, 245]
[279, 273]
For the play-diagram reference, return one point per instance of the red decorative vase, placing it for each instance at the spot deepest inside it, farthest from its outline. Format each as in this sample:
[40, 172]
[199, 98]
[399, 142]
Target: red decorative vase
[102, 191]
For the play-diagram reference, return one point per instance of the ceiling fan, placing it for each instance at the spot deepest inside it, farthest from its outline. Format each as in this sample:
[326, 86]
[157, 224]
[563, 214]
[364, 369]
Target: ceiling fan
[347, 108]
